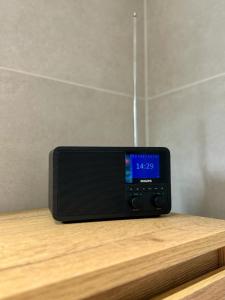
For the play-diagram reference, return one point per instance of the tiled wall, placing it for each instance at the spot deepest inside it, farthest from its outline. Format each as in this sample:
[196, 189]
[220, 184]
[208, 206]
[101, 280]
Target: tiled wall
[65, 79]
[186, 98]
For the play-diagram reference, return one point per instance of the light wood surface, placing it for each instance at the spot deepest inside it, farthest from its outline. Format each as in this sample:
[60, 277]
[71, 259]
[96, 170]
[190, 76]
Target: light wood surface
[43, 259]
[208, 287]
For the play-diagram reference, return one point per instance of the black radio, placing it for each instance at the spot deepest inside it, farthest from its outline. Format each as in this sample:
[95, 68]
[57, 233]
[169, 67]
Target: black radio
[95, 183]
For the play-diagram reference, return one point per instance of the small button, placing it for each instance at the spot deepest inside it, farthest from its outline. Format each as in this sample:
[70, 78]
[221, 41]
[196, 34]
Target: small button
[136, 194]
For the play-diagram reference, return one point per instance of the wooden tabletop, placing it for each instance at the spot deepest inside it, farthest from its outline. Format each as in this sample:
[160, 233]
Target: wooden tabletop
[43, 259]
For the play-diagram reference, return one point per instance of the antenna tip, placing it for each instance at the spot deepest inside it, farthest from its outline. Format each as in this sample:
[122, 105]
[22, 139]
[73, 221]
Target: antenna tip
[135, 14]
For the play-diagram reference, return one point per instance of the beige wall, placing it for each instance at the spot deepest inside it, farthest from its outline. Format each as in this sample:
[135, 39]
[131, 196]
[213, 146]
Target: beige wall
[65, 79]
[186, 98]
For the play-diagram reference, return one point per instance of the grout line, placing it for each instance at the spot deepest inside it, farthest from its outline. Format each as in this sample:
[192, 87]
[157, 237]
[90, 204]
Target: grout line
[68, 82]
[146, 72]
[186, 86]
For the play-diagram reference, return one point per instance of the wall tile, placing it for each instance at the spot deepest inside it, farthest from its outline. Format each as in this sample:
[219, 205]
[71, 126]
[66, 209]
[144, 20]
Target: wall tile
[84, 41]
[186, 42]
[191, 124]
[37, 115]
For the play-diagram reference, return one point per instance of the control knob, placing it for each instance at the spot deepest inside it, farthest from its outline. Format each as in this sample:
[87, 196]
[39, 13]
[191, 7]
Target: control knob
[158, 201]
[135, 203]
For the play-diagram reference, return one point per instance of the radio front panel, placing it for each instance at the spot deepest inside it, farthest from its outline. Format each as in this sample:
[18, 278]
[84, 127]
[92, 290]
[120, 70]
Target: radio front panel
[89, 183]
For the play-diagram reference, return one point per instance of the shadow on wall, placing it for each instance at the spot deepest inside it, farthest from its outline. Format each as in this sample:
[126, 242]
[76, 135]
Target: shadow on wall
[213, 198]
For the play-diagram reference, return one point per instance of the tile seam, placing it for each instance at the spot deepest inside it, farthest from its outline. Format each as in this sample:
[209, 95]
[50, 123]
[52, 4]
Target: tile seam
[62, 81]
[185, 87]
[146, 73]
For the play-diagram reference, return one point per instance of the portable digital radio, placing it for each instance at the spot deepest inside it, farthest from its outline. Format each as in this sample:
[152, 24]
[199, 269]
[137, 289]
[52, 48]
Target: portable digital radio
[94, 183]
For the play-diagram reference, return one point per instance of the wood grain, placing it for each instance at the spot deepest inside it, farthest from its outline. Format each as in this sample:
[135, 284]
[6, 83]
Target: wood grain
[163, 280]
[43, 259]
[221, 254]
[208, 287]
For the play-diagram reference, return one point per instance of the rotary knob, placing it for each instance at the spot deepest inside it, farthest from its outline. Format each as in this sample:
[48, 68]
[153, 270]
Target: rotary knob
[158, 201]
[135, 203]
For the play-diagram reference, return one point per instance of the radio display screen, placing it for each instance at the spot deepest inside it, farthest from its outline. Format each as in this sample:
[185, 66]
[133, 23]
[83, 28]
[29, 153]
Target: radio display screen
[141, 167]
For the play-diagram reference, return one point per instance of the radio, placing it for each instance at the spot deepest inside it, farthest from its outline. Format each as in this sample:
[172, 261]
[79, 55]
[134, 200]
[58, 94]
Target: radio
[95, 183]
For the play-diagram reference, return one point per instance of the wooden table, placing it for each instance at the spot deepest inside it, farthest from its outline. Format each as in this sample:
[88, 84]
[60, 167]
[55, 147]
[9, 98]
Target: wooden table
[128, 259]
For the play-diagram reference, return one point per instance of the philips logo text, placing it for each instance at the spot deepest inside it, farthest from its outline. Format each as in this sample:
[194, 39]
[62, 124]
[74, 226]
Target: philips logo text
[145, 180]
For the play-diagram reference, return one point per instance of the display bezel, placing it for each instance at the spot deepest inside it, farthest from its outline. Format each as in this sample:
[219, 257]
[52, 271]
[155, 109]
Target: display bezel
[164, 168]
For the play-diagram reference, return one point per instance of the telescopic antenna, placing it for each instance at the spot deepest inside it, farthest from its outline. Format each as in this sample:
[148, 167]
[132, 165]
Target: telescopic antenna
[135, 79]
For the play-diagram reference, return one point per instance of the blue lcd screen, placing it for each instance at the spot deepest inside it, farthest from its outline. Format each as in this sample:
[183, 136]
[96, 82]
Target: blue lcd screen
[141, 167]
